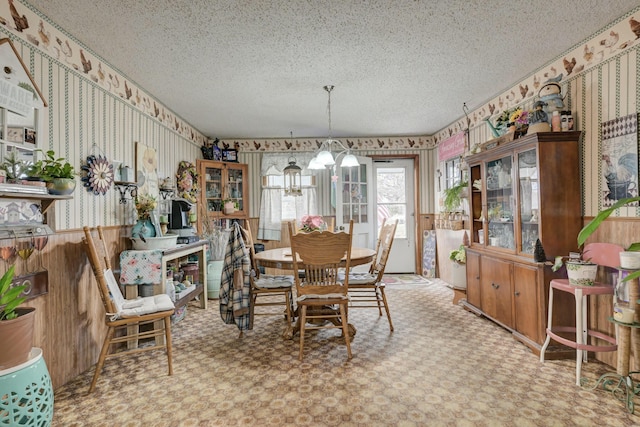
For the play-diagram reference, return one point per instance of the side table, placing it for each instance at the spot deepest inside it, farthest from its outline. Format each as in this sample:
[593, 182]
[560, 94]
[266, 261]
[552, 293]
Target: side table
[621, 383]
[27, 396]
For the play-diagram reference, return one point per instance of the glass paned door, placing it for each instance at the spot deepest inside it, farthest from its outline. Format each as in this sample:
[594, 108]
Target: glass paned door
[529, 199]
[354, 195]
[500, 203]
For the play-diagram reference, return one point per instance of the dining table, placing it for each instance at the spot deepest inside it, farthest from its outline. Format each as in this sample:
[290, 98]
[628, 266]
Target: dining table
[282, 259]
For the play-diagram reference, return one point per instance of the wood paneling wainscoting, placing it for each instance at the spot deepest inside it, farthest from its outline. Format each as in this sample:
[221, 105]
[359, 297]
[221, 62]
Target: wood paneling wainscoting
[622, 231]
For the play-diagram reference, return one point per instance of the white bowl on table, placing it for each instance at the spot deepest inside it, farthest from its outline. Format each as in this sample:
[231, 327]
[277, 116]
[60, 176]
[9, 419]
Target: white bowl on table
[150, 243]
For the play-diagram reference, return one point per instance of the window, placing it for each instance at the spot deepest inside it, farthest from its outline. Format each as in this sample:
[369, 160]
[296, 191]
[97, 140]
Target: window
[288, 204]
[453, 172]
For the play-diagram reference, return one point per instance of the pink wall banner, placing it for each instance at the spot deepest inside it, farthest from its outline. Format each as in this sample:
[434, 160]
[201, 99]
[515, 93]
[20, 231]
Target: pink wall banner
[451, 147]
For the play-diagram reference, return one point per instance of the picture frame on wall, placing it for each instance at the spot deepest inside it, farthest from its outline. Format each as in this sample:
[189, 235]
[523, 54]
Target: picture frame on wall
[15, 134]
[229, 155]
[29, 136]
[147, 170]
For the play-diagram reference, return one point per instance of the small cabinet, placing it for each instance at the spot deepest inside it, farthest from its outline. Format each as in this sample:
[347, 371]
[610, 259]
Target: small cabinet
[495, 289]
[525, 302]
[473, 278]
[223, 181]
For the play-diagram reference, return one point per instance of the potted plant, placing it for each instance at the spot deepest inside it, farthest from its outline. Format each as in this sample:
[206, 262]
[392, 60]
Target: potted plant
[58, 173]
[575, 264]
[16, 324]
[459, 256]
[13, 167]
[593, 225]
[453, 196]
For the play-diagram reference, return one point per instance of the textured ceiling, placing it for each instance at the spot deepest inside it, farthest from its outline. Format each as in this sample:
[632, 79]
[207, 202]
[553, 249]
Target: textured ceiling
[255, 69]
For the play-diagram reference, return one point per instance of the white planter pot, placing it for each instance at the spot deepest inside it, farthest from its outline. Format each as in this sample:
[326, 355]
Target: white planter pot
[581, 274]
[630, 260]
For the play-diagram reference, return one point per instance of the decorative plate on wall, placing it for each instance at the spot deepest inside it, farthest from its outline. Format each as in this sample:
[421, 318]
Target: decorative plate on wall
[99, 174]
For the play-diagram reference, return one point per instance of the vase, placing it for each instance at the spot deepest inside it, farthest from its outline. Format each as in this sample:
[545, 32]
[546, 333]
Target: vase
[61, 186]
[143, 228]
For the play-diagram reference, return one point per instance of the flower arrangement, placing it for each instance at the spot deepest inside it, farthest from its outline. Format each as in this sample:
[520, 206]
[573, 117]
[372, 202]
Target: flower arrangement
[310, 223]
[519, 117]
[145, 204]
[514, 116]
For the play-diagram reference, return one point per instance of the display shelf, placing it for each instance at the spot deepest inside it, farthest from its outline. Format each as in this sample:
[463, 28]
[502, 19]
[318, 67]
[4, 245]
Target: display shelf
[125, 188]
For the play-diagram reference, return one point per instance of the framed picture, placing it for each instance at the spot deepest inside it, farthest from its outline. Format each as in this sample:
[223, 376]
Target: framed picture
[229, 155]
[15, 134]
[29, 136]
[147, 170]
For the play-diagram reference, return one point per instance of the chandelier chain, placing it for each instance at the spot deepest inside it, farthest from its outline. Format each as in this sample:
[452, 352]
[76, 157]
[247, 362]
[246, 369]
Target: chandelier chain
[329, 88]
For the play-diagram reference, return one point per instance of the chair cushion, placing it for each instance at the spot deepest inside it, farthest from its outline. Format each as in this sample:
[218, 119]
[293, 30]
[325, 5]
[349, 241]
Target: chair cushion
[147, 305]
[319, 297]
[138, 306]
[267, 281]
[362, 278]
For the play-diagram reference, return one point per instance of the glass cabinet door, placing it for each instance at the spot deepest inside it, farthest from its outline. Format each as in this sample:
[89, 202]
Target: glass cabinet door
[214, 189]
[235, 186]
[529, 199]
[500, 203]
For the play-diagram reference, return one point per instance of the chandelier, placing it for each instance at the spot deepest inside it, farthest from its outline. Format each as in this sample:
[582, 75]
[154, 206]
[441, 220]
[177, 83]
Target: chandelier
[325, 157]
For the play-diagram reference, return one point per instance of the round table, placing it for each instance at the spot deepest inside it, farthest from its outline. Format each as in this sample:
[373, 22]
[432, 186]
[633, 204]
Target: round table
[281, 257]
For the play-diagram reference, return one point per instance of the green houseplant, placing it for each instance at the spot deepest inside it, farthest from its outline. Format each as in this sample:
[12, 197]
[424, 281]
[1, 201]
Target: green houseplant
[58, 173]
[13, 167]
[593, 225]
[16, 324]
[453, 196]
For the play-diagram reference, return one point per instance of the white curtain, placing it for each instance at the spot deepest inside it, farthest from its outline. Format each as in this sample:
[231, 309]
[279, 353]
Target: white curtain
[269, 223]
[270, 214]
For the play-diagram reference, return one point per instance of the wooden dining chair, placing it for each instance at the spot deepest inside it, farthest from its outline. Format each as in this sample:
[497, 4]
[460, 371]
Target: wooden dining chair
[366, 290]
[272, 290]
[126, 315]
[320, 255]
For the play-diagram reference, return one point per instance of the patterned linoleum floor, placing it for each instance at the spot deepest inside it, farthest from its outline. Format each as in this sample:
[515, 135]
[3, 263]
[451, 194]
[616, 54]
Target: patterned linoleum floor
[443, 366]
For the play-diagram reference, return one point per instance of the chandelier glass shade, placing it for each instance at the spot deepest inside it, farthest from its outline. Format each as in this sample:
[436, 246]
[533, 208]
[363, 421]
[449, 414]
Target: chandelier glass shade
[325, 156]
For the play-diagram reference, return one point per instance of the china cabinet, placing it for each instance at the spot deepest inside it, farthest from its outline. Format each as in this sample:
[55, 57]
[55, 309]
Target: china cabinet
[223, 182]
[522, 191]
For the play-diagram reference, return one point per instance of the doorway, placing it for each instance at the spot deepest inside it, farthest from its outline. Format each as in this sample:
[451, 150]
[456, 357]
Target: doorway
[394, 188]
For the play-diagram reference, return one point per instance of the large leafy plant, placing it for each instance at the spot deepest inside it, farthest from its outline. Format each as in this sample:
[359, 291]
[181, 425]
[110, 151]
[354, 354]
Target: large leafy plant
[593, 225]
[10, 297]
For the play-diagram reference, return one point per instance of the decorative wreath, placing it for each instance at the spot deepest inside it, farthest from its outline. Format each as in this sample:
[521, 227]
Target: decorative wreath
[99, 174]
[187, 181]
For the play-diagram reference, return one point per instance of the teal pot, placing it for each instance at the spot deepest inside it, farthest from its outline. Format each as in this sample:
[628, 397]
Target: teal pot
[142, 229]
[16, 336]
[61, 186]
